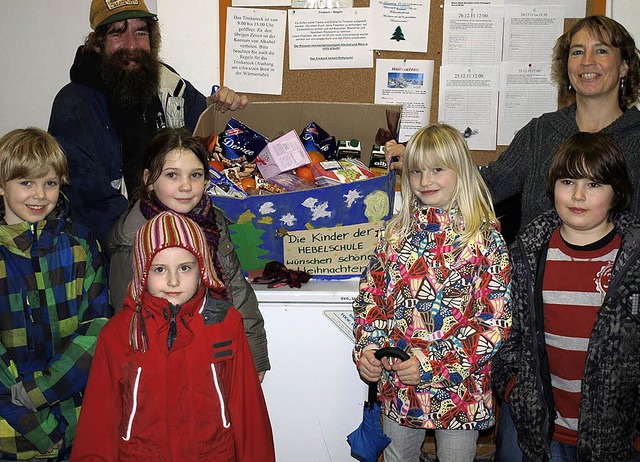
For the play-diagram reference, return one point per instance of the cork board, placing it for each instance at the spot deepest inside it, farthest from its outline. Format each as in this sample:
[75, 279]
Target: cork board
[358, 85]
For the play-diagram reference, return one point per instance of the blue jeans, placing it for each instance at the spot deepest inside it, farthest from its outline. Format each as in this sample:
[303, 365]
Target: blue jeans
[562, 452]
[406, 443]
[507, 449]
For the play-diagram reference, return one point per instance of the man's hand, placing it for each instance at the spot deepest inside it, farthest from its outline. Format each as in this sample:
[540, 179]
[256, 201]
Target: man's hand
[394, 150]
[227, 99]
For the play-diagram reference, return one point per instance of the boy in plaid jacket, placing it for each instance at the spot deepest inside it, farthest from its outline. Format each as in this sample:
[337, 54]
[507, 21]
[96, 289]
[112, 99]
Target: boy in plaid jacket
[53, 301]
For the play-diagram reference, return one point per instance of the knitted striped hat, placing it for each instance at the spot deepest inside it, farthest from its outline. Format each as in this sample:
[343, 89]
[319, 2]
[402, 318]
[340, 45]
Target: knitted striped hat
[169, 229]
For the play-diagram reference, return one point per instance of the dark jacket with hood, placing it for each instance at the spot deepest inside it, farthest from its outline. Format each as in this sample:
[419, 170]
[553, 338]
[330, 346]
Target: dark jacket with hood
[610, 405]
[82, 122]
[523, 167]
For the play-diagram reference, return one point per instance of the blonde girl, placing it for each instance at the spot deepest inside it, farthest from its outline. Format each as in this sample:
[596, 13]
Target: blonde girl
[436, 288]
[438, 147]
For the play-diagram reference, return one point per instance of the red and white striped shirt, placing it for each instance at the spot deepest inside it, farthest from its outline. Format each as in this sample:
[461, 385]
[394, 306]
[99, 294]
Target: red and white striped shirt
[575, 283]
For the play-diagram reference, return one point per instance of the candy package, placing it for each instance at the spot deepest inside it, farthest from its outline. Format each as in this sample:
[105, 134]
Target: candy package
[239, 142]
[378, 161]
[314, 138]
[290, 182]
[220, 185]
[283, 154]
[269, 186]
[341, 171]
[236, 174]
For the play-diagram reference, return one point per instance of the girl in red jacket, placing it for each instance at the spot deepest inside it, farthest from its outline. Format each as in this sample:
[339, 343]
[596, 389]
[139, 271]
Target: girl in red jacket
[173, 378]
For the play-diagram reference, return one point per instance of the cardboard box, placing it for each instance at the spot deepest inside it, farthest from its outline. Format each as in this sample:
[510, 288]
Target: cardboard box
[330, 231]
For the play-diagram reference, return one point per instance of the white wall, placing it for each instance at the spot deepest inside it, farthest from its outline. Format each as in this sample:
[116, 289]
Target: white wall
[626, 13]
[39, 38]
[190, 40]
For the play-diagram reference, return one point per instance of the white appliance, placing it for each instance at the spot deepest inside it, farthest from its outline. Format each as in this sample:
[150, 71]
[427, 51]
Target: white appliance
[314, 394]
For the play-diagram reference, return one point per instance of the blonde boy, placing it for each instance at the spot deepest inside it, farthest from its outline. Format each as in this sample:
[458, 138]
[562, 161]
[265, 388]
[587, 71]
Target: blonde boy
[53, 300]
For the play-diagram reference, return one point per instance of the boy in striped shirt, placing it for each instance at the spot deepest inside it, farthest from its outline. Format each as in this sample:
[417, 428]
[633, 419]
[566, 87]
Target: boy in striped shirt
[569, 371]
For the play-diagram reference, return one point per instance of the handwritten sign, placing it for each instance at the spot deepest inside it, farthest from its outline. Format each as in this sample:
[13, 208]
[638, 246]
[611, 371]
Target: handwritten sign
[343, 250]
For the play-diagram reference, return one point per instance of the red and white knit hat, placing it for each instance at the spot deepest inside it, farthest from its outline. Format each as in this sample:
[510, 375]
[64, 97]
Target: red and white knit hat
[169, 229]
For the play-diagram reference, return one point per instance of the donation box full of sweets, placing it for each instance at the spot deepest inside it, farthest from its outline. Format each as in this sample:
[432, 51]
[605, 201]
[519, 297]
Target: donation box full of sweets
[330, 231]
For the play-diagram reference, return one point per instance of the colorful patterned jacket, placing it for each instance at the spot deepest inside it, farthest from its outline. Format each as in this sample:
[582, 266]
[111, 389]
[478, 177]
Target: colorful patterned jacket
[446, 306]
[53, 302]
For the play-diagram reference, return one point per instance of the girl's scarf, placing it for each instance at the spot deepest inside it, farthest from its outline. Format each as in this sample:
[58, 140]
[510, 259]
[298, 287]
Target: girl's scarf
[204, 215]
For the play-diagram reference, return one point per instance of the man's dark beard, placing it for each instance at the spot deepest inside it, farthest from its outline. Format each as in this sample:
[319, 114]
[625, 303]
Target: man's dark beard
[131, 88]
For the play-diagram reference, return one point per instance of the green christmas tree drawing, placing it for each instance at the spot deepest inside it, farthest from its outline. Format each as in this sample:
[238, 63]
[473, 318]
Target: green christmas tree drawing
[246, 238]
[397, 34]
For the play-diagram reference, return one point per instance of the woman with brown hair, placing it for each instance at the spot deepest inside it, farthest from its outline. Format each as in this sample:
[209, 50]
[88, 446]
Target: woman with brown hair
[596, 67]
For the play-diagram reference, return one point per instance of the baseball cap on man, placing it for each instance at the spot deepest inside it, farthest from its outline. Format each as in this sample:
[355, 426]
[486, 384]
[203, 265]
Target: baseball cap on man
[105, 12]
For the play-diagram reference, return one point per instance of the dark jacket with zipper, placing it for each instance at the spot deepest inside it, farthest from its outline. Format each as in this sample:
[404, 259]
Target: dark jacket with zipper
[610, 405]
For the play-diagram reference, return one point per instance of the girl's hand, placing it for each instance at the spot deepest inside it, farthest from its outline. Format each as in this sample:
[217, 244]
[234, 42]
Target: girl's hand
[370, 368]
[408, 371]
[394, 150]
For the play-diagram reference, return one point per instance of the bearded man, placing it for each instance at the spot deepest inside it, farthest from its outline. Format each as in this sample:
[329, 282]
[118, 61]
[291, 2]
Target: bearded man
[119, 96]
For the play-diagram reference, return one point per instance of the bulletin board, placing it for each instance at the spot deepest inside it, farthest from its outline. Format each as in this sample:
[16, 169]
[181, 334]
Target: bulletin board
[358, 85]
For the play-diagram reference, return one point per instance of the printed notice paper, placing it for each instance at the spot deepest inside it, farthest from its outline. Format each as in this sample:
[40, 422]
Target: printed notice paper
[530, 32]
[254, 52]
[409, 83]
[335, 38]
[343, 320]
[321, 3]
[469, 102]
[400, 26]
[471, 34]
[572, 8]
[260, 3]
[526, 91]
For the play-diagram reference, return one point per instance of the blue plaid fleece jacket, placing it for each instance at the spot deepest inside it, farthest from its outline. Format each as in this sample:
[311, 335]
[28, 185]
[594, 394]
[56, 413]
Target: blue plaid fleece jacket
[53, 302]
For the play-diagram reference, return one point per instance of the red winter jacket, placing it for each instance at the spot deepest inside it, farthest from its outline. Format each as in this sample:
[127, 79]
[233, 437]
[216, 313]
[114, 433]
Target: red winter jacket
[201, 400]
